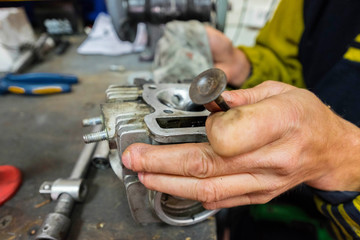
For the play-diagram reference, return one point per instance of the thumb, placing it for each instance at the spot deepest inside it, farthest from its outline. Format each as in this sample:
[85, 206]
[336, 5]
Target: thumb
[253, 95]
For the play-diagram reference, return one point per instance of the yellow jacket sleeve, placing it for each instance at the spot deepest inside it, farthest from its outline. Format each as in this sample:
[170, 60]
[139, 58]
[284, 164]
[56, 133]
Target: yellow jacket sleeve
[275, 55]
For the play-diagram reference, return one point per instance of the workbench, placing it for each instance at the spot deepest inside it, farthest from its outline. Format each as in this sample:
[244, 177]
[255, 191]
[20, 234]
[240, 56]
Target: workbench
[42, 136]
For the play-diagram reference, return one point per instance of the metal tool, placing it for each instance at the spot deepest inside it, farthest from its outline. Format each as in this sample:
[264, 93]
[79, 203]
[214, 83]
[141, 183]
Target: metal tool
[208, 86]
[153, 114]
[66, 192]
[37, 83]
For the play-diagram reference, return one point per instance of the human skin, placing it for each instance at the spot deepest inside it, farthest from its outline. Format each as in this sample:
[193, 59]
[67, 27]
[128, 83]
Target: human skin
[274, 137]
[228, 58]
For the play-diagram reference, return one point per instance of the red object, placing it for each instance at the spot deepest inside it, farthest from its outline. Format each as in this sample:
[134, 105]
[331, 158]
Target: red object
[10, 179]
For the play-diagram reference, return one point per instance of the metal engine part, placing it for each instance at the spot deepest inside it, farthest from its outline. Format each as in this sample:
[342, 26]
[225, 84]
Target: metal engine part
[125, 14]
[154, 114]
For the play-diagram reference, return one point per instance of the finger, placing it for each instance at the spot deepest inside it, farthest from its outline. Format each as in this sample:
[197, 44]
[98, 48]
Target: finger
[200, 161]
[241, 97]
[253, 95]
[246, 199]
[246, 128]
[203, 190]
[192, 159]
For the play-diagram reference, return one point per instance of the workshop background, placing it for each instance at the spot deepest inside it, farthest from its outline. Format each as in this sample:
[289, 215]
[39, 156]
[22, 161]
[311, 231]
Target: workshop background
[68, 52]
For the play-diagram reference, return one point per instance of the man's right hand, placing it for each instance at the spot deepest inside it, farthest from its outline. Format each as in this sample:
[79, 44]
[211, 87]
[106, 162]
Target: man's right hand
[274, 137]
[228, 58]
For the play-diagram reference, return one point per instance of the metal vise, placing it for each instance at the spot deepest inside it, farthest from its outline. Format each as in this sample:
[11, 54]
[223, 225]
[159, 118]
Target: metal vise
[154, 114]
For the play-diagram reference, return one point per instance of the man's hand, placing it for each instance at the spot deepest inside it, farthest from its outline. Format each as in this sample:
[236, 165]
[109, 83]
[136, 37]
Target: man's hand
[228, 58]
[273, 138]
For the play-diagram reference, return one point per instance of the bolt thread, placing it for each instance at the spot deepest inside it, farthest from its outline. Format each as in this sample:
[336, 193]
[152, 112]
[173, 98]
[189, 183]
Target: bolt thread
[92, 121]
[95, 137]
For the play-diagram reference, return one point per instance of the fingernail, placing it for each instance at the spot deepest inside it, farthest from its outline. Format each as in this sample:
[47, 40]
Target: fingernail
[226, 96]
[126, 159]
[141, 176]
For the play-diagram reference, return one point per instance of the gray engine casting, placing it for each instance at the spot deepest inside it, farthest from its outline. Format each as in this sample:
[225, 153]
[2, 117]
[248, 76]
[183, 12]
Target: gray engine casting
[154, 114]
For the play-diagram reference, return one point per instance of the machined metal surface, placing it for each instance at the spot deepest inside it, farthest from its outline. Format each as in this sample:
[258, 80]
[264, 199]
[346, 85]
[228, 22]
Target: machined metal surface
[153, 114]
[55, 227]
[176, 211]
[208, 86]
[74, 187]
[176, 119]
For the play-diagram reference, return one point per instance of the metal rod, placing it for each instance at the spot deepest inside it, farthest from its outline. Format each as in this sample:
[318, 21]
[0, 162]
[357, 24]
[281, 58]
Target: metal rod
[83, 161]
[56, 225]
[221, 103]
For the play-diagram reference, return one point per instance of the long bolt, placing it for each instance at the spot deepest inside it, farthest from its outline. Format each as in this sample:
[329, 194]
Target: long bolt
[92, 121]
[95, 137]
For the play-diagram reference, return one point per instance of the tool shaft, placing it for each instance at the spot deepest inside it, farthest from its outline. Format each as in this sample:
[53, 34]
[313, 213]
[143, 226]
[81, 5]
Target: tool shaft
[57, 224]
[221, 103]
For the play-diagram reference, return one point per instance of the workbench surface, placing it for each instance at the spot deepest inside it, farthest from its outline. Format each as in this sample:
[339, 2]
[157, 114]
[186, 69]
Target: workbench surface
[42, 136]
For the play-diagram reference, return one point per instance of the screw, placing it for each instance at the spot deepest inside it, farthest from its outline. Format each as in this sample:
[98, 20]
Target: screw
[95, 137]
[92, 121]
[208, 86]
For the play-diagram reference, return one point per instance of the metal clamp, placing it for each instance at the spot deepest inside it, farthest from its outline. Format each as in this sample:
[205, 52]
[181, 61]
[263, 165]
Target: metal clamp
[74, 187]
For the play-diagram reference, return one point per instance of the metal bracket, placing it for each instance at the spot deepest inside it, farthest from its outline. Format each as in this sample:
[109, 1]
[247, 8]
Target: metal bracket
[74, 187]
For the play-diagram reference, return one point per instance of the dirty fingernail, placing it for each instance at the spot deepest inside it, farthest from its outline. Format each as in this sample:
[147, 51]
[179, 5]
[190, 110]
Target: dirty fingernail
[126, 159]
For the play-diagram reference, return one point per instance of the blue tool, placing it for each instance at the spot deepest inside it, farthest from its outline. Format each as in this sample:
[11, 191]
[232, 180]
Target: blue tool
[37, 83]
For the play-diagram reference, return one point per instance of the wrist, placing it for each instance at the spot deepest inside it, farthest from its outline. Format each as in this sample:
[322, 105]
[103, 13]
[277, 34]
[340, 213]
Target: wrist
[342, 169]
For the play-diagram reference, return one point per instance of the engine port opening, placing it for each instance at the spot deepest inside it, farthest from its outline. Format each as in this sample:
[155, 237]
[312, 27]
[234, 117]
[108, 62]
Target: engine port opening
[178, 211]
[183, 122]
[180, 207]
[179, 99]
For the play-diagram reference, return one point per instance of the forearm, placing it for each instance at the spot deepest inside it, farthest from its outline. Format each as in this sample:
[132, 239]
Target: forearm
[275, 54]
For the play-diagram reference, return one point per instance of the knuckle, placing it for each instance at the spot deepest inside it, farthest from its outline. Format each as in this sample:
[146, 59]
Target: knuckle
[273, 188]
[247, 94]
[270, 83]
[220, 133]
[287, 166]
[198, 163]
[259, 198]
[210, 206]
[206, 191]
[264, 199]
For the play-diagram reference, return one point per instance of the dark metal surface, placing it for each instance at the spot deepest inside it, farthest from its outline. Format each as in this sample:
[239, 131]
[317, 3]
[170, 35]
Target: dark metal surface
[208, 86]
[42, 136]
[125, 14]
